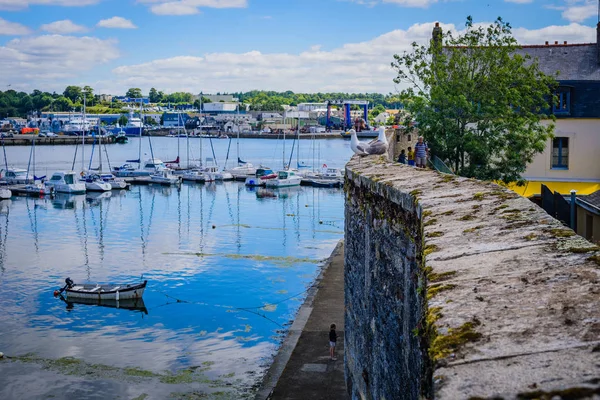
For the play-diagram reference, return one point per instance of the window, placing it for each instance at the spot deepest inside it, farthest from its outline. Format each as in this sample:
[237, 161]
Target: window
[562, 103]
[560, 153]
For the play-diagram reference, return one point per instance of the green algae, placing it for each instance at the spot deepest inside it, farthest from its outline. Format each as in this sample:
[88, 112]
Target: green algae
[430, 222]
[595, 258]
[468, 217]
[583, 249]
[444, 345]
[501, 207]
[479, 196]
[426, 213]
[255, 257]
[530, 237]
[473, 229]
[434, 290]
[449, 212]
[561, 232]
[442, 276]
[134, 371]
[434, 234]
[430, 248]
[269, 307]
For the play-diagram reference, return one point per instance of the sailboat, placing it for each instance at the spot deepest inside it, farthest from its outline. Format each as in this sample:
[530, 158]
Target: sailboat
[244, 169]
[286, 177]
[37, 187]
[106, 177]
[92, 181]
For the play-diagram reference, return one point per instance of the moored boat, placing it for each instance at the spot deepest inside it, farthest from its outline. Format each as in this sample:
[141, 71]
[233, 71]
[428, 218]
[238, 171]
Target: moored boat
[261, 177]
[284, 178]
[102, 292]
[165, 177]
[65, 182]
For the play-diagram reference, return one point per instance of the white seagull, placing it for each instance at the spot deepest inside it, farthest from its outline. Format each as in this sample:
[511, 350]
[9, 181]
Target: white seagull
[379, 146]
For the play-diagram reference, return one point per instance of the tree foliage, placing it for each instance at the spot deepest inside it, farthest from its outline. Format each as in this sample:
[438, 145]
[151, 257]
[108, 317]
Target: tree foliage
[477, 100]
[73, 93]
[134, 93]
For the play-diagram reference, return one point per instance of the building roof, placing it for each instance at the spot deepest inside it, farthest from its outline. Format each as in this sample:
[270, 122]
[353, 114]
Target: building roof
[573, 62]
[593, 199]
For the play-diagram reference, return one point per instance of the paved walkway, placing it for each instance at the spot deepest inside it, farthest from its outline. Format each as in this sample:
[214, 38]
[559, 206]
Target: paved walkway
[302, 369]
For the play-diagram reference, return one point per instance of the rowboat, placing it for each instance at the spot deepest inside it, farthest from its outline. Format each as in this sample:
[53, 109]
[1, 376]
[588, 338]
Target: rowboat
[103, 292]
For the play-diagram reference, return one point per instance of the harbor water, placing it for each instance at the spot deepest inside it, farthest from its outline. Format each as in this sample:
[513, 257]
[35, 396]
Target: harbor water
[227, 269]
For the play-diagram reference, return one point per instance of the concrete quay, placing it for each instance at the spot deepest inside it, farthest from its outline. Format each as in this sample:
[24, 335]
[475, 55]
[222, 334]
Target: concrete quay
[302, 368]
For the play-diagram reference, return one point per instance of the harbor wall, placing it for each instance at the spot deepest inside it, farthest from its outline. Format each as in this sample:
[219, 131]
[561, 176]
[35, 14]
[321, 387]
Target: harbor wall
[456, 288]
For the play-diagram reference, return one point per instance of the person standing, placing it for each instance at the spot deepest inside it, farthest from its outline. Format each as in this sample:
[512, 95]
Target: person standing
[411, 157]
[402, 157]
[421, 150]
[332, 342]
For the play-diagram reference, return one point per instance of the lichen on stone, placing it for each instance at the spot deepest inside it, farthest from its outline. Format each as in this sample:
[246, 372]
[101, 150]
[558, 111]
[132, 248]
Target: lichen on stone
[434, 234]
[434, 290]
[430, 248]
[444, 345]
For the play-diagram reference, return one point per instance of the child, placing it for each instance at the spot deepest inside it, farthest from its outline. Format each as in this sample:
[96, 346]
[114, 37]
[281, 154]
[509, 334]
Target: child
[411, 157]
[332, 342]
[402, 157]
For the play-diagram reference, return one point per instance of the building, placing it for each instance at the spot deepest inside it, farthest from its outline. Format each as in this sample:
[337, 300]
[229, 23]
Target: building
[174, 120]
[216, 98]
[220, 107]
[125, 99]
[570, 160]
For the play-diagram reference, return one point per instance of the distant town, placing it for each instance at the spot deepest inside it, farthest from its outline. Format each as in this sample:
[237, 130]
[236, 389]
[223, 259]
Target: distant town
[79, 110]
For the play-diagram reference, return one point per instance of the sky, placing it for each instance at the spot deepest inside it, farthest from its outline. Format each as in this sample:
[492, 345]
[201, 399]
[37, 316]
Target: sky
[215, 46]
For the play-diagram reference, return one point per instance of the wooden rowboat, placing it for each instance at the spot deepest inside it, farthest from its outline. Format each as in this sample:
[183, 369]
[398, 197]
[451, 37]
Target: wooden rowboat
[104, 292]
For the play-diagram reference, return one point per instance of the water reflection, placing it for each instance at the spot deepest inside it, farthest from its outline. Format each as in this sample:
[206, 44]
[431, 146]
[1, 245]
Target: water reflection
[128, 304]
[227, 268]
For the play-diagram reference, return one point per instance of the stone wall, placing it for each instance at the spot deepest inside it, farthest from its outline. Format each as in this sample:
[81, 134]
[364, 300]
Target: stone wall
[457, 289]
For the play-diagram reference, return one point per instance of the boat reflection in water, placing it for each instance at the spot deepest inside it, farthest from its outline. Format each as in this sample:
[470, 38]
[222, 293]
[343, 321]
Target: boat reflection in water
[127, 304]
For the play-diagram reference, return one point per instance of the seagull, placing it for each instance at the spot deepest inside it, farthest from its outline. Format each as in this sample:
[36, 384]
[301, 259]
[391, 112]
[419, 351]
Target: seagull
[379, 146]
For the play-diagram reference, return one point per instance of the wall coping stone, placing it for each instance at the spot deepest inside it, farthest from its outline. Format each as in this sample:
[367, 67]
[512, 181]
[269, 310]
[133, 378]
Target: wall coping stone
[527, 285]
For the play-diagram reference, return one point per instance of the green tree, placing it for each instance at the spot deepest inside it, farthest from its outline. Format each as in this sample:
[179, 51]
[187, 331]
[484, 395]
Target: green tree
[89, 95]
[123, 120]
[155, 96]
[62, 103]
[134, 93]
[477, 100]
[73, 93]
[378, 109]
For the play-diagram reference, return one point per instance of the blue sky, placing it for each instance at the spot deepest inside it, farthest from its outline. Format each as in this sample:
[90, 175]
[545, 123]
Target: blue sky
[232, 45]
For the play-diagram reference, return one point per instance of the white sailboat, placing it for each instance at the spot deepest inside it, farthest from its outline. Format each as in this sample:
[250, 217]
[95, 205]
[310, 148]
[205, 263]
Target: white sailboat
[92, 181]
[244, 169]
[37, 187]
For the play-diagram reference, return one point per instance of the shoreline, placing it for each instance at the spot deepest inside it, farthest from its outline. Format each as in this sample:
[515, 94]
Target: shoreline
[287, 371]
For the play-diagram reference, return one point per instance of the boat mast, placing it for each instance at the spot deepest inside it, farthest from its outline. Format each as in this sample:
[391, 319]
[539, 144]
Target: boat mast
[99, 147]
[140, 144]
[238, 134]
[187, 144]
[283, 161]
[298, 149]
[83, 138]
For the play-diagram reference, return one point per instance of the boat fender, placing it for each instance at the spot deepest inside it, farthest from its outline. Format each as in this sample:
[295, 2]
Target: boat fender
[1, 354]
[117, 298]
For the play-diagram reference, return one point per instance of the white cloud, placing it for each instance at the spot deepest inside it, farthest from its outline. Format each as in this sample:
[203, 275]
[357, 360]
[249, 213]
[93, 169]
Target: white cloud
[576, 10]
[41, 61]
[12, 28]
[63, 27]
[353, 67]
[116, 22]
[572, 33]
[188, 7]
[21, 4]
[412, 3]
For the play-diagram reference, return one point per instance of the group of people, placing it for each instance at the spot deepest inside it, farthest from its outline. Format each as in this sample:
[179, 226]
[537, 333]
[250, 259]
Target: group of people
[416, 157]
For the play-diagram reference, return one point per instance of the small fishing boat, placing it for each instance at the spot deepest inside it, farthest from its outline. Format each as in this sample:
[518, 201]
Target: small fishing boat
[327, 183]
[193, 175]
[102, 292]
[37, 189]
[284, 179]
[261, 177]
[165, 177]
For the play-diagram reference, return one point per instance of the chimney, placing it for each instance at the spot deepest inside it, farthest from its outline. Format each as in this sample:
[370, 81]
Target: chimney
[565, 42]
[437, 34]
[556, 42]
[598, 42]
[546, 43]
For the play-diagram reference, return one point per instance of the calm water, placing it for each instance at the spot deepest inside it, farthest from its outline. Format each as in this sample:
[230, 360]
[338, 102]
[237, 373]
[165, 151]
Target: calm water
[227, 269]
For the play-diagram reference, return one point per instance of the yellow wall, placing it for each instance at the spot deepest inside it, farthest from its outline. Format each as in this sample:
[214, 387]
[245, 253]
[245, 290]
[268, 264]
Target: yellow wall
[584, 153]
[582, 228]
